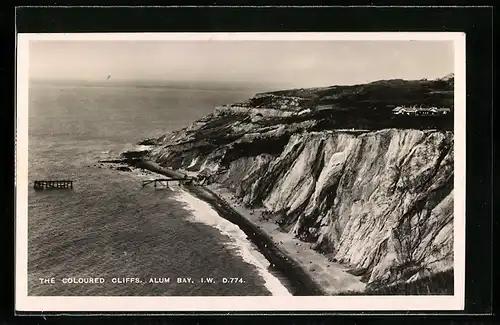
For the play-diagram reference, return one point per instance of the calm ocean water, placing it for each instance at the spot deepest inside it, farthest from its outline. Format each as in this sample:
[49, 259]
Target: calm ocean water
[109, 226]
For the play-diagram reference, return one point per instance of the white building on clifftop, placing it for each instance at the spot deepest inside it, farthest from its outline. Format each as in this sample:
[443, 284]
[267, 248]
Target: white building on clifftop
[421, 111]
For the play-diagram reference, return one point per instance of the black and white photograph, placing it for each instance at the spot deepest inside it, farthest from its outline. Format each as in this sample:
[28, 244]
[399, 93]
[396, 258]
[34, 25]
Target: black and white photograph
[283, 171]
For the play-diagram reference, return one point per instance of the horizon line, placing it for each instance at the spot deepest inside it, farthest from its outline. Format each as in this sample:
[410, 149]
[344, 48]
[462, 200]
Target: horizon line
[161, 82]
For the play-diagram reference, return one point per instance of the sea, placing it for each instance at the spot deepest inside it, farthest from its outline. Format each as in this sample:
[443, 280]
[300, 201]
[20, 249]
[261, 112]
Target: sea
[132, 241]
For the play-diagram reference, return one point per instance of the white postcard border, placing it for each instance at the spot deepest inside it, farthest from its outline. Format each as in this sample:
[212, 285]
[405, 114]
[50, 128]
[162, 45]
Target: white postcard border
[23, 302]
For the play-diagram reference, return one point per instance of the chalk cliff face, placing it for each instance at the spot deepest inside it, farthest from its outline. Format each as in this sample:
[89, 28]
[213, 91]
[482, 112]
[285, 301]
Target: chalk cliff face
[379, 200]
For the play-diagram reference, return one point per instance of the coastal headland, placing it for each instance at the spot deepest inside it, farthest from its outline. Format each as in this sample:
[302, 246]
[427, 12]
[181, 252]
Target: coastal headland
[332, 185]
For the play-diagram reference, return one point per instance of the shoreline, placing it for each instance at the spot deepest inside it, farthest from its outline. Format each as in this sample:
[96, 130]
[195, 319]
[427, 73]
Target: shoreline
[204, 213]
[308, 272]
[300, 283]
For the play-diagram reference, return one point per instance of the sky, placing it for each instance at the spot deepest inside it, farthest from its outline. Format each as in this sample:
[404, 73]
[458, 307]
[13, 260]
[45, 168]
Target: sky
[285, 63]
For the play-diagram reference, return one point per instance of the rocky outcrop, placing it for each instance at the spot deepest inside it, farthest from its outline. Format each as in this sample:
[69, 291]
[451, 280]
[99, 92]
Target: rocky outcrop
[378, 201]
[148, 142]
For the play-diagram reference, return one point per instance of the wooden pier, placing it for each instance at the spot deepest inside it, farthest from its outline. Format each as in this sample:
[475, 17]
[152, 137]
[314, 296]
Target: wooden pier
[59, 184]
[162, 182]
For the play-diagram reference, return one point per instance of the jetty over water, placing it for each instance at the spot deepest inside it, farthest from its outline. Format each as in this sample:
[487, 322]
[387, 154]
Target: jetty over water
[54, 184]
[162, 182]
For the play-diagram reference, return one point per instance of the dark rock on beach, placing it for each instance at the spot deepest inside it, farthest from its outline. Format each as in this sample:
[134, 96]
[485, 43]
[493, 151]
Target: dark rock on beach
[135, 154]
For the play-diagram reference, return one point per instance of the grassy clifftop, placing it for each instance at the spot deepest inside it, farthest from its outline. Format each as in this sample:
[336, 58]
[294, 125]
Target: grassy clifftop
[366, 106]
[377, 94]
